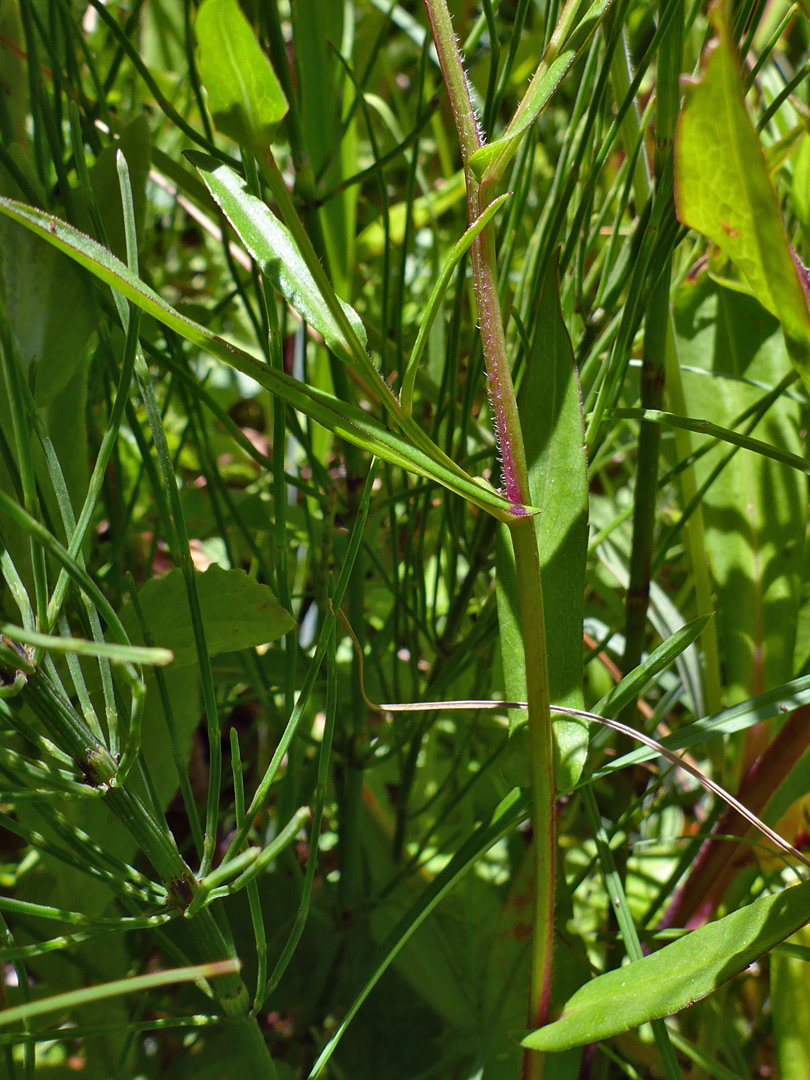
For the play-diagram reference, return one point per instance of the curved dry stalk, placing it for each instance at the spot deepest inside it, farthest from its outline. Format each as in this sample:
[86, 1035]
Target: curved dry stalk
[616, 725]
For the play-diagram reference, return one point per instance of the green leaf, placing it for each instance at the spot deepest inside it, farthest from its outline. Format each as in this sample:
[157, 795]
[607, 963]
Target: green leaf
[738, 718]
[659, 660]
[244, 95]
[238, 612]
[715, 431]
[790, 1008]
[677, 975]
[501, 822]
[551, 417]
[722, 189]
[348, 421]
[272, 246]
[755, 512]
[567, 42]
[550, 407]
[51, 309]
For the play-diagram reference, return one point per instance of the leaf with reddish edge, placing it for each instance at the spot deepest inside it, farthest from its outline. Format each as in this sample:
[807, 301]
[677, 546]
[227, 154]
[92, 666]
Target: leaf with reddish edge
[722, 189]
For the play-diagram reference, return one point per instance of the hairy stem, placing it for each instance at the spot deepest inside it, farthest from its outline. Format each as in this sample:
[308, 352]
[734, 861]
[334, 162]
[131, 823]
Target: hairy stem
[524, 539]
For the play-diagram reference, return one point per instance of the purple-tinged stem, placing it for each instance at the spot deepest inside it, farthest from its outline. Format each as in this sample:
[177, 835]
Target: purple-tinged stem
[509, 437]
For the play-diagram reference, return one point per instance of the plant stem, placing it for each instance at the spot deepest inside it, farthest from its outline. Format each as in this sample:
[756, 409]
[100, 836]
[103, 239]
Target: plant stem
[541, 765]
[509, 437]
[158, 845]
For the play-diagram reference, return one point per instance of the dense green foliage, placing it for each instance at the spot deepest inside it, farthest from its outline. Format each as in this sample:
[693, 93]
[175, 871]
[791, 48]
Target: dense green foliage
[331, 377]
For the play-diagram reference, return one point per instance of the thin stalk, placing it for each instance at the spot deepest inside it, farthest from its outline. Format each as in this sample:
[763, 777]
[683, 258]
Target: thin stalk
[655, 345]
[662, 365]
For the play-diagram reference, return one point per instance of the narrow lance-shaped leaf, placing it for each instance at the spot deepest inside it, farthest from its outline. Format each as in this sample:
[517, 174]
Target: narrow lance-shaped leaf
[567, 42]
[244, 95]
[271, 245]
[346, 420]
[435, 299]
[722, 189]
[299, 277]
[677, 975]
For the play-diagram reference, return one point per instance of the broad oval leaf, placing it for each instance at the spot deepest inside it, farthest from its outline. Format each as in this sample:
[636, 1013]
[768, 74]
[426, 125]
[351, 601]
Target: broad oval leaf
[722, 189]
[273, 248]
[238, 612]
[244, 95]
[677, 975]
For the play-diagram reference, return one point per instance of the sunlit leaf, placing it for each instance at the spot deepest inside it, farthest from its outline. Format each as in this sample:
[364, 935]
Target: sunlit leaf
[244, 95]
[677, 975]
[568, 40]
[274, 249]
[346, 420]
[722, 189]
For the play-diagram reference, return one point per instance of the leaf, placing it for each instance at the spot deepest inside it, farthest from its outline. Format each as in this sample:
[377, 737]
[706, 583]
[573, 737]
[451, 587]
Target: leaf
[755, 512]
[722, 189]
[551, 417]
[50, 307]
[348, 421]
[238, 612]
[502, 821]
[550, 407]
[790, 1009]
[490, 162]
[272, 246]
[677, 975]
[738, 718]
[244, 95]
[325, 99]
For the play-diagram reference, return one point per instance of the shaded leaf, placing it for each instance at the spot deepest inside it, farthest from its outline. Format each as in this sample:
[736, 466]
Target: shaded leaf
[50, 308]
[755, 512]
[502, 821]
[237, 611]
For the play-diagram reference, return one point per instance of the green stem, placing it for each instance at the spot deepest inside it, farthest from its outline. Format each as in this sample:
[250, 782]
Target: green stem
[669, 97]
[541, 765]
[158, 846]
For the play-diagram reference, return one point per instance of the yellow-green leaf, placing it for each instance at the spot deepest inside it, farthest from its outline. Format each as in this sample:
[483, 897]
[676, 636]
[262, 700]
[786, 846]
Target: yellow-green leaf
[244, 95]
[722, 189]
